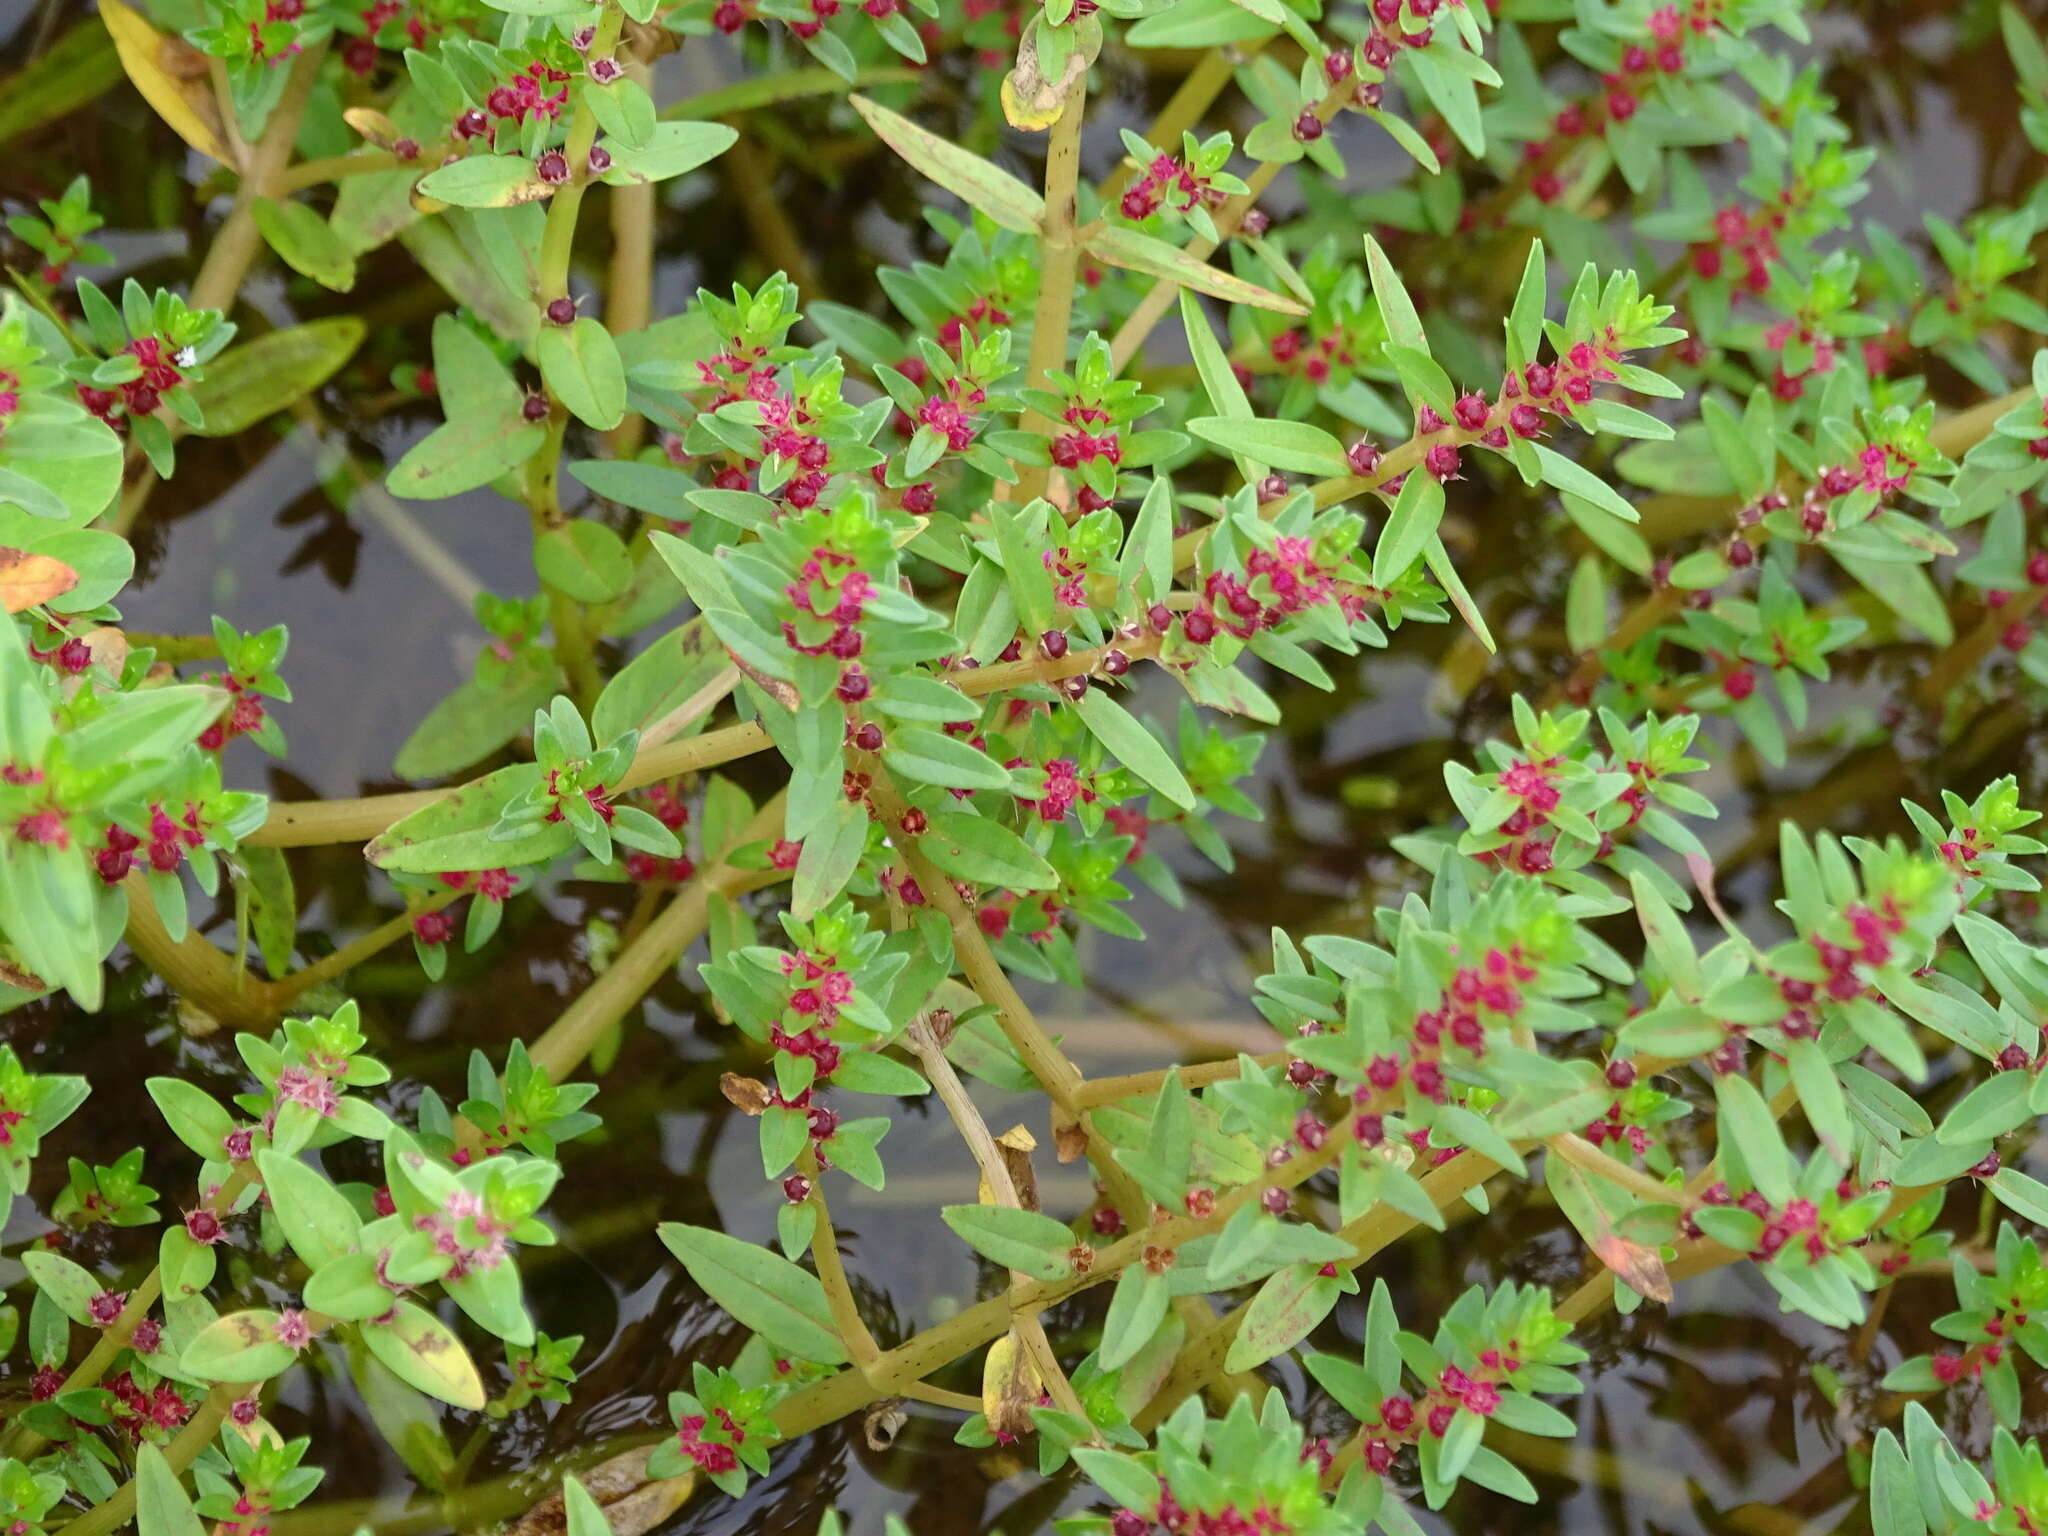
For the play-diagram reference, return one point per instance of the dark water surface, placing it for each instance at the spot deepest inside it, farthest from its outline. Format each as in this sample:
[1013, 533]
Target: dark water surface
[1702, 1419]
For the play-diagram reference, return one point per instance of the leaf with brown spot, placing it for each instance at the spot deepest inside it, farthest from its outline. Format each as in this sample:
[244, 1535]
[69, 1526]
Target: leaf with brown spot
[965, 174]
[421, 1352]
[172, 77]
[27, 579]
[484, 181]
[239, 1347]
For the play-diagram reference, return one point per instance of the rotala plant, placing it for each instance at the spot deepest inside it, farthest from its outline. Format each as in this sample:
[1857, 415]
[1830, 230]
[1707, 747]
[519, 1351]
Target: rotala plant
[886, 654]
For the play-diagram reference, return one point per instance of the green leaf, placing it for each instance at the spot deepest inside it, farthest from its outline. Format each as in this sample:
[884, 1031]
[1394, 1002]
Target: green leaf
[1525, 321]
[1122, 247]
[671, 150]
[829, 858]
[477, 719]
[486, 181]
[1747, 463]
[656, 488]
[1669, 943]
[2025, 1197]
[1027, 1241]
[1135, 1312]
[306, 243]
[316, 1217]
[1748, 1128]
[585, 1516]
[1987, 1111]
[581, 365]
[1894, 1496]
[195, 1116]
[421, 1351]
[1423, 378]
[1404, 326]
[1287, 445]
[239, 1347]
[1452, 94]
[465, 453]
[971, 847]
[1219, 381]
[583, 559]
[1023, 569]
[926, 756]
[161, 1505]
[1586, 621]
[69, 1284]
[760, 1290]
[1568, 475]
[349, 1288]
[674, 669]
[1906, 590]
[72, 72]
[1131, 744]
[261, 377]
[454, 832]
[1418, 513]
[1821, 1097]
[977, 183]
[623, 110]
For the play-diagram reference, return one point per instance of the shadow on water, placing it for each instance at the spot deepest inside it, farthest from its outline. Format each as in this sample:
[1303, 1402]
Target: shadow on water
[1707, 1419]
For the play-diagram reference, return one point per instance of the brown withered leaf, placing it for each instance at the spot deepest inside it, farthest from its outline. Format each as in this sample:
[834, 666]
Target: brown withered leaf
[26, 579]
[883, 1422]
[14, 976]
[632, 1502]
[173, 78]
[782, 693]
[109, 647]
[1015, 1147]
[1639, 1267]
[1069, 1138]
[646, 41]
[746, 1094]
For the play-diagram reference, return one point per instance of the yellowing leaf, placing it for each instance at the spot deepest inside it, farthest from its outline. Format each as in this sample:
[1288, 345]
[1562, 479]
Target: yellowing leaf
[1032, 99]
[1010, 1386]
[172, 77]
[1144, 253]
[963, 173]
[26, 579]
